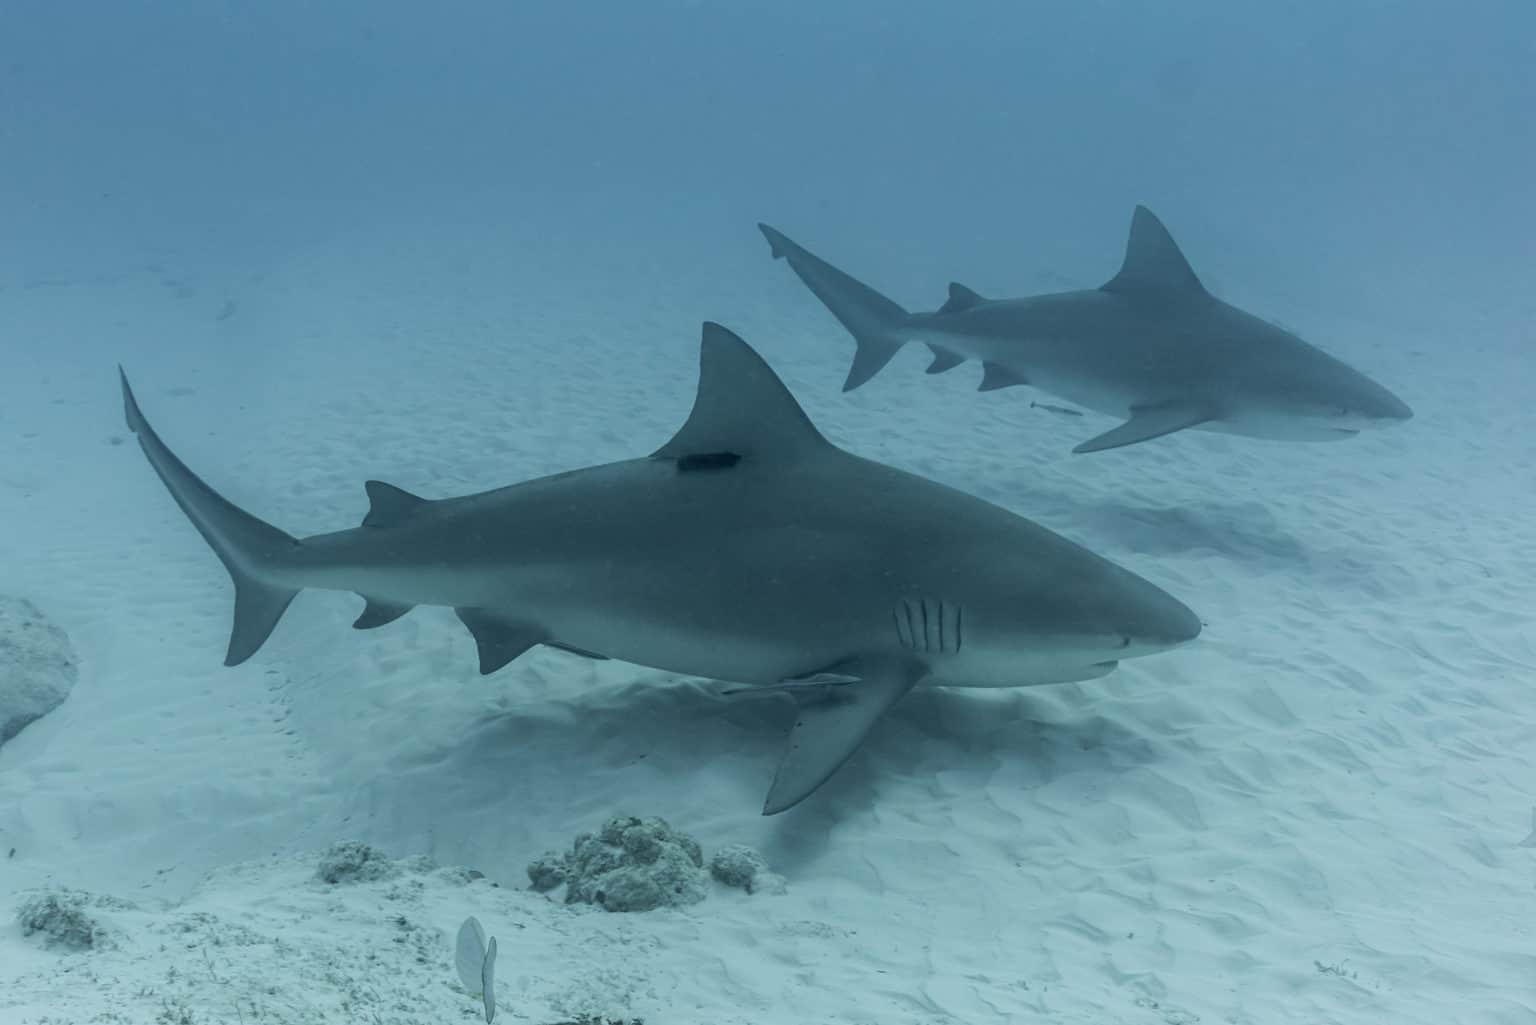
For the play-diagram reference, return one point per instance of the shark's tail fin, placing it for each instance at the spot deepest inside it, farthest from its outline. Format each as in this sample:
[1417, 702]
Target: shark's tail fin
[875, 322]
[254, 552]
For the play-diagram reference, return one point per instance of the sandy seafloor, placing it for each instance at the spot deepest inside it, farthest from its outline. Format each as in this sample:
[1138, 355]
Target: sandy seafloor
[1313, 814]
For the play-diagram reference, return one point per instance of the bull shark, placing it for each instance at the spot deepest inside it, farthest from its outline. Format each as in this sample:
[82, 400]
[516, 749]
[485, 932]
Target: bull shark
[1151, 346]
[748, 548]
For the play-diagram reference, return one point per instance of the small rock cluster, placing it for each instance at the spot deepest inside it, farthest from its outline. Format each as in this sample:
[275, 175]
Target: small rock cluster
[740, 866]
[352, 861]
[61, 919]
[38, 666]
[637, 864]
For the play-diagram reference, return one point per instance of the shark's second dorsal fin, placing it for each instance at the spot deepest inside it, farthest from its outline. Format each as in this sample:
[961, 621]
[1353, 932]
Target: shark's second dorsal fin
[1153, 262]
[389, 505]
[742, 409]
[961, 299]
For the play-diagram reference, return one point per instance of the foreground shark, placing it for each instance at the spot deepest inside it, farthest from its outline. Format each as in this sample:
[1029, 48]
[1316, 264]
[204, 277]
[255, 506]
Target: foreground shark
[1151, 347]
[748, 548]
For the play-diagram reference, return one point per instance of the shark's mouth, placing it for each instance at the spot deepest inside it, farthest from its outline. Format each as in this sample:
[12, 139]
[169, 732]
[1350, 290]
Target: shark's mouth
[1345, 430]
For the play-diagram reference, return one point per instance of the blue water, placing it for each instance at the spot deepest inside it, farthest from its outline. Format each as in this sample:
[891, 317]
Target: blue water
[1387, 147]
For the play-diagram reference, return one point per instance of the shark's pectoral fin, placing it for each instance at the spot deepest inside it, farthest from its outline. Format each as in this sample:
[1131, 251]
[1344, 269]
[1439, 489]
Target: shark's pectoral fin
[378, 613]
[499, 638]
[830, 726]
[1148, 422]
[944, 360]
[995, 376]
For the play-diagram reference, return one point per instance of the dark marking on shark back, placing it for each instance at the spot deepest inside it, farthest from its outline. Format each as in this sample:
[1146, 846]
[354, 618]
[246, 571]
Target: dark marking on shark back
[701, 461]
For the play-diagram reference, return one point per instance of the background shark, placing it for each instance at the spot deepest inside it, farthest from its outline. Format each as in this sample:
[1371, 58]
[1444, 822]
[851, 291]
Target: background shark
[1151, 347]
[748, 548]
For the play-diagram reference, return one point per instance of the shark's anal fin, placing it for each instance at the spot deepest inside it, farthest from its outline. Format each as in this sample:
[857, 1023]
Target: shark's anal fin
[830, 726]
[995, 376]
[961, 299]
[500, 639]
[944, 360]
[389, 505]
[378, 613]
[1148, 422]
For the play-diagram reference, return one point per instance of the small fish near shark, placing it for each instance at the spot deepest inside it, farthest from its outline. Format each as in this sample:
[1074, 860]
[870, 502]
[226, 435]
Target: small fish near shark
[1151, 347]
[747, 549]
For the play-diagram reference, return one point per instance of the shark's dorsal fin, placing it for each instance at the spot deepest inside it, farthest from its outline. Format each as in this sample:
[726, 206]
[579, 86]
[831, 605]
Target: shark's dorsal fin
[742, 409]
[961, 299]
[1153, 262]
[389, 505]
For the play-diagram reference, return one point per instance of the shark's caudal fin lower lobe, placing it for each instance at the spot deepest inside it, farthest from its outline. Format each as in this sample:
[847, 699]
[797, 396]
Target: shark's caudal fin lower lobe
[250, 549]
[874, 321]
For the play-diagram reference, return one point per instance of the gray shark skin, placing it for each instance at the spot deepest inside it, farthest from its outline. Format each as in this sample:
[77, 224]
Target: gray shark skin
[747, 549]
[1151, 347]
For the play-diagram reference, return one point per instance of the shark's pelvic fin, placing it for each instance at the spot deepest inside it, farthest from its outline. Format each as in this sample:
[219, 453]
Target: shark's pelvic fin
[995, 376]
[1148, 422]
[874, 321]
[378, 613]
[741, 409]
[251, 550]
[961, 299]
[499, 639]
[1153, 262]
[389, 505]
[944, 360]
[830, 727]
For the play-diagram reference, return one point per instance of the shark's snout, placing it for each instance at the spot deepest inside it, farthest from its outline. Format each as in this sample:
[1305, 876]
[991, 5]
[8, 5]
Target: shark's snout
[1372, 405]
[1139, 618]
[1149, 619]
[1393, 408]
[1164, 623]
